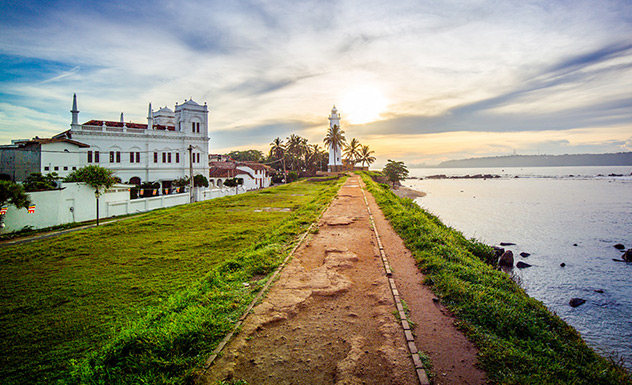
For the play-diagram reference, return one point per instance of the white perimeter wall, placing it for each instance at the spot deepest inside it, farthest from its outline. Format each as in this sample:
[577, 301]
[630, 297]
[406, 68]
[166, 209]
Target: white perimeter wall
[53, 208]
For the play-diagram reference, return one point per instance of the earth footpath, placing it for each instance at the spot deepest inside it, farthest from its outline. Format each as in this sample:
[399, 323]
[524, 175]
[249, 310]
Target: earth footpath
[331, 317]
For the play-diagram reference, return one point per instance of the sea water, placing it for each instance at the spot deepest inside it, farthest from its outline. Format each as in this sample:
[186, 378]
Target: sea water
[570, 215]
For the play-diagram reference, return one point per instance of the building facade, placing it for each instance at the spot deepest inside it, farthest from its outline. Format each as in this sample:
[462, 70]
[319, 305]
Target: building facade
[162, 150]
[23, 157]
[255, 175]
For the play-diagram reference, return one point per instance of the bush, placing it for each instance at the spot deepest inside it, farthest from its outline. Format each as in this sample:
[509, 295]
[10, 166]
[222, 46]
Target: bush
[200, 181]
[292, 176]
[234, 182]
[38, 182]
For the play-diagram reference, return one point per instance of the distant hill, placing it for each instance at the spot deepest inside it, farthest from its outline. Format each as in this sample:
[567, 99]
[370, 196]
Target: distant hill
[618, 159]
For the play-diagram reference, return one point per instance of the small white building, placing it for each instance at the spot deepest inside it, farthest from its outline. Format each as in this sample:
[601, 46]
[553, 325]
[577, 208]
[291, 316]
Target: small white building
[255, 175]
[159, 151]
[23, 157]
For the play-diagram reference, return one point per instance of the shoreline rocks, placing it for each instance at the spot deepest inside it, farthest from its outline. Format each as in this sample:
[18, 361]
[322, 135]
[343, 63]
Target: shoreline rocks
[477, 176]
[522, 265]
[506, 259]
[574, 302]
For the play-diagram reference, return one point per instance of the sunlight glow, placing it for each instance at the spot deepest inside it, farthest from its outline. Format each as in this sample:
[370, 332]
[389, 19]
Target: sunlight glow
[363, 104]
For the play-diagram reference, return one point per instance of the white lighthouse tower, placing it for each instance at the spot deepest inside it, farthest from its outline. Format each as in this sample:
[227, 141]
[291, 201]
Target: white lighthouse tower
[335, 153]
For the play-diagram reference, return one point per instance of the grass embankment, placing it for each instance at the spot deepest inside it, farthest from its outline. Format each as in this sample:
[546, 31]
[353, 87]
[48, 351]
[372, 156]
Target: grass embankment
[520, 341]
[147, 299]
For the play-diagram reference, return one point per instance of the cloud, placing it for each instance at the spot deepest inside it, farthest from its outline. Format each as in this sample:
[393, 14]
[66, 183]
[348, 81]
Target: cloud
[269, 67]
[63, 75]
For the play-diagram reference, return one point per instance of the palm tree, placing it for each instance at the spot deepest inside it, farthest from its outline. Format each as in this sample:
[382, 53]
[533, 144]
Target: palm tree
[365, 156]
[352, 151]
[296, 147]
[313, 158]
[277, 150]
[335, 138]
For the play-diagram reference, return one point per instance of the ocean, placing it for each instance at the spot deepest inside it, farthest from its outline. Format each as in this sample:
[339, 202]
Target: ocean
[570, 215]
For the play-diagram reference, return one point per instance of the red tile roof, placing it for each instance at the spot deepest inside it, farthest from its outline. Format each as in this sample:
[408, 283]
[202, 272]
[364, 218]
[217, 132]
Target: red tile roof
[216, 172]
[53, 140]
[109, 123]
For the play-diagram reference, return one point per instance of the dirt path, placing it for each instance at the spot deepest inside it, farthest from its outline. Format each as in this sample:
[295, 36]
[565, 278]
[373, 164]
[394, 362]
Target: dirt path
[329, 319]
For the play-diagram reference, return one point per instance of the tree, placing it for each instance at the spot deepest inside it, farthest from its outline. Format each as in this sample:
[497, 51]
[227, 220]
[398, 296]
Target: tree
[12, 193]
[335, 138]
[295, 148]
[95, 176]
[352, 151]
[365, 156]
[247, 156]
[38, 182]
[395, 171]
[277, 151]
[200, 180]
[313, 158]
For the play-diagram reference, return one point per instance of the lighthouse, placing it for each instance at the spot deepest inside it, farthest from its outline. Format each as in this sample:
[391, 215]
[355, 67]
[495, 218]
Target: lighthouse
[335, 152]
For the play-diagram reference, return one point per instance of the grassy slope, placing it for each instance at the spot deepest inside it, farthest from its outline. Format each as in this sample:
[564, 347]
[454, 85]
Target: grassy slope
[520, 341]
[111, 292]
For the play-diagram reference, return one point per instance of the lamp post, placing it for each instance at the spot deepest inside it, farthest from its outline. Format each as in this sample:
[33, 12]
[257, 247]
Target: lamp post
[190, 148]
[96, 195]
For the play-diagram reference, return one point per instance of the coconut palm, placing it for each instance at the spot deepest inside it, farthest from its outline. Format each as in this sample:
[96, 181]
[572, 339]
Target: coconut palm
[336, 139]
[296, 147]
[277, 150]
[365, 156]
[314, 158]
[352, 151]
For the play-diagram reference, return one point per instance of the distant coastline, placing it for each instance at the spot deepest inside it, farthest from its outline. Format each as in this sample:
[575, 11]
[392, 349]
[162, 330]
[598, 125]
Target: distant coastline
[613, 159]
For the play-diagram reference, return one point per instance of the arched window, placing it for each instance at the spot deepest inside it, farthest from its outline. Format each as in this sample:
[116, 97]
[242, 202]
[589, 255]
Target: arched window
[219, 183]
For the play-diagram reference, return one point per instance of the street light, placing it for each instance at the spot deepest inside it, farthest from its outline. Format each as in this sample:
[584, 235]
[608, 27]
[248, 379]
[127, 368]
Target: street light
[96, 195]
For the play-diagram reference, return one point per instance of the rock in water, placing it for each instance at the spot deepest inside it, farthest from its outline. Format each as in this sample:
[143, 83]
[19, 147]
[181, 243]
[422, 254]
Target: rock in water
[627, 256]
[507, 244]
[506, 259]
[598, 291]
[522, 265]
[498, 251]
[524, 255]
[562, 264]
[574, 302]
[618, 246]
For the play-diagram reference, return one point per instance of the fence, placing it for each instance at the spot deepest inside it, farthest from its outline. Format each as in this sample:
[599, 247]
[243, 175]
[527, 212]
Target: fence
[75, 202]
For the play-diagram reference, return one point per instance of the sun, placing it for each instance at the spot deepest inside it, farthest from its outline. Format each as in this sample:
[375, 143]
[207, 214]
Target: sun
[363, 104]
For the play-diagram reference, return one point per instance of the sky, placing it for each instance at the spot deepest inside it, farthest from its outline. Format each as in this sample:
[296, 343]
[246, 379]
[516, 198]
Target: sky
[421, 81]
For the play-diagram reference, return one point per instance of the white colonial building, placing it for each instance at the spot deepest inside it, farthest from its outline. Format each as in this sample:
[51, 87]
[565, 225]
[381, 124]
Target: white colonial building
[159, 151]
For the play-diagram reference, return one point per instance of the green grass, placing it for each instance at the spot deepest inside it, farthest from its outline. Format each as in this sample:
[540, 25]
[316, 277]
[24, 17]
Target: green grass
[144, 300]
[520, 341]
